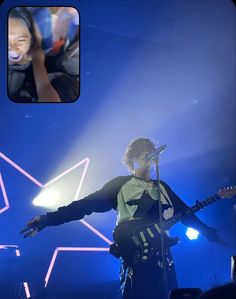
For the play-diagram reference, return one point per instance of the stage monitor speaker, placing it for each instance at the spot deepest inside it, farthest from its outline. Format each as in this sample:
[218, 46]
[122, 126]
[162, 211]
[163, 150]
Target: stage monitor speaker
[185, 293]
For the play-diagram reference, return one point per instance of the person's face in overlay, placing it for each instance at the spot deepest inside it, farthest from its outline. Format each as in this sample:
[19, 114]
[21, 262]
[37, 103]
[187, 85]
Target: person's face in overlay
[19, 40]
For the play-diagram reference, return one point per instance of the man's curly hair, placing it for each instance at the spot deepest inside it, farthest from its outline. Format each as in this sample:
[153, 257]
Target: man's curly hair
[134, 149]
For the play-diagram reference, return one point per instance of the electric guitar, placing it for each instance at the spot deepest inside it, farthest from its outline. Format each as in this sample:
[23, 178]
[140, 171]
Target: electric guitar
[138, 239]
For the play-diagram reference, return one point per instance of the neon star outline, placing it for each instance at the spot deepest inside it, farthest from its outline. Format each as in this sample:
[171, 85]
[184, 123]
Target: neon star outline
[39, 184]
[17, 251]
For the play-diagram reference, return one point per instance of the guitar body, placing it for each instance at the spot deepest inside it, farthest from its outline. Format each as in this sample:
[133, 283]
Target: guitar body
[139, 239]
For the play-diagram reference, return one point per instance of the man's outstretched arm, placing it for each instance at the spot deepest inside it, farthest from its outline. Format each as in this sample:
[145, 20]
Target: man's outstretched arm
[100, 201]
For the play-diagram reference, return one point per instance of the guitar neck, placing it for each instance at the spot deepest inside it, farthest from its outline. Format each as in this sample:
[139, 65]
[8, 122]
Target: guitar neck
[203, 204]
[167, 224]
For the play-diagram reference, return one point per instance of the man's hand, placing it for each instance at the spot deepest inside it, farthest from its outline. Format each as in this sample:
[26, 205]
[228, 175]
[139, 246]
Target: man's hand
[212, 235]
[32, 227]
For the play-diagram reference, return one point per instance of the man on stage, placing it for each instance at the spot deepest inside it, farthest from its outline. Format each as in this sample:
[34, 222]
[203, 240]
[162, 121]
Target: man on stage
[135, 198]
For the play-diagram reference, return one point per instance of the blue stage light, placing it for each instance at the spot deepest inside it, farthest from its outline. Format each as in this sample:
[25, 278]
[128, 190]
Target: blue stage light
[192, 234]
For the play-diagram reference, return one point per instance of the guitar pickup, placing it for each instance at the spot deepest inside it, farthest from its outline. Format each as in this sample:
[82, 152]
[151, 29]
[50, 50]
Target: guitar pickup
[143, 237]
[150, 233]
[157, 228]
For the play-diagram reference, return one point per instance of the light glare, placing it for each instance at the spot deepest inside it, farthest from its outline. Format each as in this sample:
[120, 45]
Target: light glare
[46, 199]
[192, 234]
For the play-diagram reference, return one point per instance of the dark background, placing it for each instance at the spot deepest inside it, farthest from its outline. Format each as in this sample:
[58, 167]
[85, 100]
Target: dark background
[161, 69]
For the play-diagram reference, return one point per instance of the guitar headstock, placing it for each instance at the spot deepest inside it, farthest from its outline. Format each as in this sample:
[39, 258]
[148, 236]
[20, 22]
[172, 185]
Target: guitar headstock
[227, 192]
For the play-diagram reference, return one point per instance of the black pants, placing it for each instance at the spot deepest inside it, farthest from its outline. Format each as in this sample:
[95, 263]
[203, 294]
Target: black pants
[145, 280]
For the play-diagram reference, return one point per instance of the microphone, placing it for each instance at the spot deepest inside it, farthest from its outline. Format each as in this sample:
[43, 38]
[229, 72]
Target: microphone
[154, 155]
